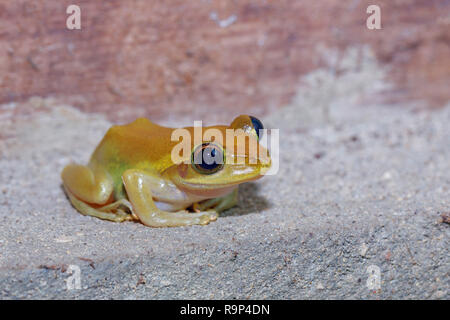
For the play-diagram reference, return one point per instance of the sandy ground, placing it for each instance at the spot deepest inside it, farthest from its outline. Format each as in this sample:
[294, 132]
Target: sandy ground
[363, 191]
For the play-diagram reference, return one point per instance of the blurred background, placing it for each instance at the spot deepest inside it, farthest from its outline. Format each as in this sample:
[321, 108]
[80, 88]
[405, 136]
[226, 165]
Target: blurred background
[214, 59]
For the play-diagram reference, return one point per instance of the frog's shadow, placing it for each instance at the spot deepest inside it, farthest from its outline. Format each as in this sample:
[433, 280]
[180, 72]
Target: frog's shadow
[249, 201]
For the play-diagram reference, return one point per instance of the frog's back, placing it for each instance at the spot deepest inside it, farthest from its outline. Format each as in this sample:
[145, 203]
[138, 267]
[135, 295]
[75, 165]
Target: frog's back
[139, 144]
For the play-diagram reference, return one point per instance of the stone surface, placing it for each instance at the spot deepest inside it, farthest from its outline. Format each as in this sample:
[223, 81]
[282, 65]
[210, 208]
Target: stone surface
[362, 191]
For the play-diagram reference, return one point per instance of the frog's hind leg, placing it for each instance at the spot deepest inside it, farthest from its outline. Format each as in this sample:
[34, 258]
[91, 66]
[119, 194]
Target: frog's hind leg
[110, 212]
[91, 185]
[89, 191]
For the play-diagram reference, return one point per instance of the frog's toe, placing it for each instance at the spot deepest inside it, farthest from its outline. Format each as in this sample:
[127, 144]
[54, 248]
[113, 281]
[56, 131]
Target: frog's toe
[213, 215]
[206, 218]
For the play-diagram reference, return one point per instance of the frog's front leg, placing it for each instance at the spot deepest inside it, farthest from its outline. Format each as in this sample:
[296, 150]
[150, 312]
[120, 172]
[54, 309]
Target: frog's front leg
[138, 186]
[218, 204]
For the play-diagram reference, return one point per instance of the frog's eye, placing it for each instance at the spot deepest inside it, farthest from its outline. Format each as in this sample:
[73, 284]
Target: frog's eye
[207, 158]
[249, 124]
[257, 125]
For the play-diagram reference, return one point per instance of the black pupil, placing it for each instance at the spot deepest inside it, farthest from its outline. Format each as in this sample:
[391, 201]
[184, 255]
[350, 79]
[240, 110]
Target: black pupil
[209, 158]
[257, 125]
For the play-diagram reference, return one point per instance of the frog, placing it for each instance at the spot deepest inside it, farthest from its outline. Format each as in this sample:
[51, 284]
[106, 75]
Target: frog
[132, 174]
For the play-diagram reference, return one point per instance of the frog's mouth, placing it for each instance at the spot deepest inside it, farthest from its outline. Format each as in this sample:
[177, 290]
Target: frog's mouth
[207, 191]
[211, 190]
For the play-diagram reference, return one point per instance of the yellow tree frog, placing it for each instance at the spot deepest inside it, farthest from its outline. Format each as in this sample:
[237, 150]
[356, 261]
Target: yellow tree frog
[132, 176]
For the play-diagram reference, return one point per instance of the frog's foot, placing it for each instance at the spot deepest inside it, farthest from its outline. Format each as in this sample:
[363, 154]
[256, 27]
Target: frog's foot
[111, 212]
[121, 208]
[218, 204]
[137, 184]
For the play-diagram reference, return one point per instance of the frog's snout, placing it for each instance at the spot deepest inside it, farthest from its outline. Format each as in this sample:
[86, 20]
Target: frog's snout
[265, 166]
